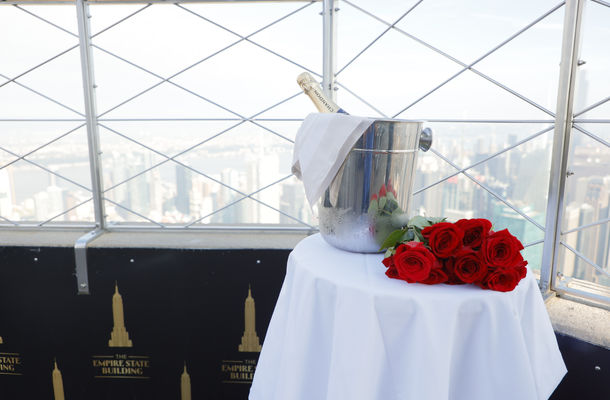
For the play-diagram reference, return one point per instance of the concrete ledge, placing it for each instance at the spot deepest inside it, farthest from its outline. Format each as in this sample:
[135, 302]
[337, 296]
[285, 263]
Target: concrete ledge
[212, 239]
[587, 323]
[201, 240]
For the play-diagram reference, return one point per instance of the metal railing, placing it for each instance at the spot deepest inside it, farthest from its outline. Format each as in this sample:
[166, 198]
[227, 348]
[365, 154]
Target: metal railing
[562, 121]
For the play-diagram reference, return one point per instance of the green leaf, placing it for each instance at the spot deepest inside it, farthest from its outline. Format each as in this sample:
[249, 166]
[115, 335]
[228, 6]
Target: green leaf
[389, 252]
[419, 222]
[392, 239]
[397, 211]
[408, 236]
[436, 220]
[382, 201]
[391, 205]
[373, 207]
[418, 236]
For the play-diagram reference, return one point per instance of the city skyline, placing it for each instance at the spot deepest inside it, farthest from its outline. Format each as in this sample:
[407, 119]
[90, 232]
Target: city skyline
[175, 195]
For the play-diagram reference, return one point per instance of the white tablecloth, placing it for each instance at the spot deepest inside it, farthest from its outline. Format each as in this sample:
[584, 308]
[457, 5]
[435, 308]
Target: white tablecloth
[342, 330]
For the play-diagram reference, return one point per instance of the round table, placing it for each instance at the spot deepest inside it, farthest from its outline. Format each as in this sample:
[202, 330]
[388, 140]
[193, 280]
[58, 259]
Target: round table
[342, 330]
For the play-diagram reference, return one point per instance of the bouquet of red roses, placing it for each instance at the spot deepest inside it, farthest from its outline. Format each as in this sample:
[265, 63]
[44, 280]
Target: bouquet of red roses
[430, 251]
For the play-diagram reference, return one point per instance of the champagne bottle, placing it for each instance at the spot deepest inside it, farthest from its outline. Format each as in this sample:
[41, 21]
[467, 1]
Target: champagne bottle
[312, 88]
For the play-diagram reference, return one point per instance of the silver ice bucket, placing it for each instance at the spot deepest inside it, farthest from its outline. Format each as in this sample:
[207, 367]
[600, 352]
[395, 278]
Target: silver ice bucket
[369, 196]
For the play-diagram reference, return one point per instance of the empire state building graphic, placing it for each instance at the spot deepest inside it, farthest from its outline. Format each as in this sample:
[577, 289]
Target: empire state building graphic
[58, 383]
[119, 336]
[185, 385]
[249, 341]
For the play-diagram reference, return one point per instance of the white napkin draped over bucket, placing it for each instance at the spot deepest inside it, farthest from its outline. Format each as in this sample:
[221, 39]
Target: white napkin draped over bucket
[322, 144]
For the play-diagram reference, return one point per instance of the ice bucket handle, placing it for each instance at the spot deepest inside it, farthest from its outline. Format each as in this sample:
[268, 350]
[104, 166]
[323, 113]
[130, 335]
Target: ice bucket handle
[425, 139]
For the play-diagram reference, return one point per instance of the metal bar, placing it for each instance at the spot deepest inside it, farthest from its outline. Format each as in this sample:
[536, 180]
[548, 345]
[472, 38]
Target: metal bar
[592, 106]
[163, 80]
[22, 157]
[585, 259]
[95, 162]
[561, 142]
[125, 18]
[591, 121]
[242, 38]
[127, 227]
[45, 20]
[494, 194]
[44, 169]
[134, 212]
[492, 121]
[64, 226]
[42, 120]
[80, 258]
[199, 119]
[64, 51]
[329, 47]
[580, 228]
[513, 92]
[114, 2]
[533, 243]
[64, 212]
[390, 26]
[603, 3]
[437, 50]
[591, 135]
[250, 196]
[578, 295]
[361, 99]
[172, 158]
[44, 96]
[167, 158]
[535, 135]
[252, 42]
[186, 89]
[469, 66]
[258, 227]
[195, 171]
[38, 65]
[8, 220]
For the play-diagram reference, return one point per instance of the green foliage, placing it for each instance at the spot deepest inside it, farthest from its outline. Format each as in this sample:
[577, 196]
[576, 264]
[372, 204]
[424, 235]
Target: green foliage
[409, 233]
[392, 239]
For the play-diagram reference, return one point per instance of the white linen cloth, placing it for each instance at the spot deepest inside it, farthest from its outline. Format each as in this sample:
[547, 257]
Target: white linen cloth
[321, 145]
[342, 330]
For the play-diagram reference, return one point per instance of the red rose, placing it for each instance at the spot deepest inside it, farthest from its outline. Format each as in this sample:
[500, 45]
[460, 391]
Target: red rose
[469, 266]
[382, 191]
[414, 261]
[520, 267]
[437, 275]
[501, 249]
[391, 268]
[443, 238]
[390, 188]
[475, 230]
[448, 268]
[392, 272]
[388, 261]
[501, 280]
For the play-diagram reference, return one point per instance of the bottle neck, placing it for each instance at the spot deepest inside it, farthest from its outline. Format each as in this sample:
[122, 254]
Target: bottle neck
[313, 89]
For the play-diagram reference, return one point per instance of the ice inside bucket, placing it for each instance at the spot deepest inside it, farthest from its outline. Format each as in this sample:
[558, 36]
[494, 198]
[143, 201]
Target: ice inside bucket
[369, 197]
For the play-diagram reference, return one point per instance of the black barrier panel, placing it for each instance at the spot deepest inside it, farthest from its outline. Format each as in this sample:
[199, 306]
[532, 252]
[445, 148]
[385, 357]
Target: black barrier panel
[159, 324]
[588, 374]
[154, 313]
